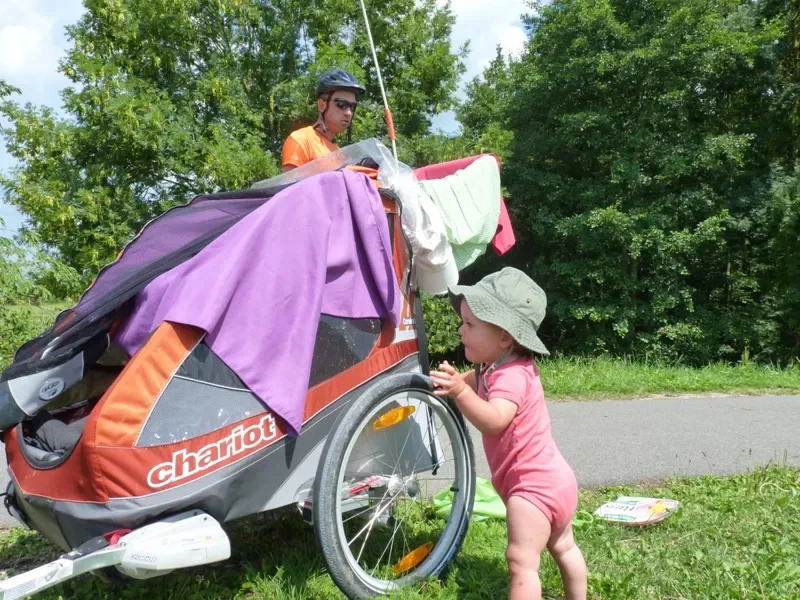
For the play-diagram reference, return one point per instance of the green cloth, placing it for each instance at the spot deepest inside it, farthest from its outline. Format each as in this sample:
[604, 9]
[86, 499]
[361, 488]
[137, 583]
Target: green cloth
[488, 504]
[469, 202]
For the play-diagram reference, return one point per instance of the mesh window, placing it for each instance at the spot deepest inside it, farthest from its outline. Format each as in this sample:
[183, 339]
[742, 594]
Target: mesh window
[202, 364]
[189, 408]
[341, 344]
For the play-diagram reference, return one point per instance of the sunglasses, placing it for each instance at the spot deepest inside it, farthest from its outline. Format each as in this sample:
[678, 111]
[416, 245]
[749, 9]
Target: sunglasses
[343, 104]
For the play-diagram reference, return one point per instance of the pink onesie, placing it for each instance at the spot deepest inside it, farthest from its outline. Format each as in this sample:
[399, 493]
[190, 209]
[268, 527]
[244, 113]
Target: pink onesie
[524, 458]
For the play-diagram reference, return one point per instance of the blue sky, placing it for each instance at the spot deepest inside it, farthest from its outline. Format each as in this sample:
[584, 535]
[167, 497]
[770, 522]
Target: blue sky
[33, 39]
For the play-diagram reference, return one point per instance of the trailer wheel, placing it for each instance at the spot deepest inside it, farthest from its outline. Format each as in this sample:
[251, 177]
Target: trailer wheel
[387, 455]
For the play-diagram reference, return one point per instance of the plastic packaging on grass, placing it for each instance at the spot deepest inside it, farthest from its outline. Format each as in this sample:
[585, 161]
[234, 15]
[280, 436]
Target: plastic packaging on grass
[488, 504]
[635, 511]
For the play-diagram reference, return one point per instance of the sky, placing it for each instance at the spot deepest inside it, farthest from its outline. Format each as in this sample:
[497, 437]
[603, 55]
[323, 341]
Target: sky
[33, 39]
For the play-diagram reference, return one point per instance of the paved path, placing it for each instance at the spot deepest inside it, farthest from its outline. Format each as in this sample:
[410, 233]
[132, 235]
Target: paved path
[624, 441]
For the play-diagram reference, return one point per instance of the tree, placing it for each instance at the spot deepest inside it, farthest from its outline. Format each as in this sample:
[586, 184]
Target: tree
[485, 113]
[641, 163]
[171, 98]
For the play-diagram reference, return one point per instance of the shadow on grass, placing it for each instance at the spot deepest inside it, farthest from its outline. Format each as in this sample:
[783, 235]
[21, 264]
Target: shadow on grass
[272, 556]
[487, 578]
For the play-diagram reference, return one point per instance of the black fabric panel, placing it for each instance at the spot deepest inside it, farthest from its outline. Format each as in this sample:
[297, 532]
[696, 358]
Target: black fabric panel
[202, 364]
[10, 412]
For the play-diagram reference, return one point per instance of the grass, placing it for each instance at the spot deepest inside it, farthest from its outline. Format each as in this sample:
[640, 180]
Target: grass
[566, 378]
[734, 538]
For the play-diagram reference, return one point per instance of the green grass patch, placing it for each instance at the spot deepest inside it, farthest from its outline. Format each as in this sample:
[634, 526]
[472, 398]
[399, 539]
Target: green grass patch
[734, 538]
[598, 378]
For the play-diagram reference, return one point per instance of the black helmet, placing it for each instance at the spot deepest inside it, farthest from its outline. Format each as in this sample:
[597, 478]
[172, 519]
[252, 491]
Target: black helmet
[338, 79]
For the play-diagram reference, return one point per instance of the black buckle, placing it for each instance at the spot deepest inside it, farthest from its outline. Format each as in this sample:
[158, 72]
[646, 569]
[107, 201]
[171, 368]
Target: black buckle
[13, 508]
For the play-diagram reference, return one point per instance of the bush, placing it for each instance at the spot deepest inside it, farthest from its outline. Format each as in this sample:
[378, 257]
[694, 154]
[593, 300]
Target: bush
[18, 324]
[28, 279]
[441, 325]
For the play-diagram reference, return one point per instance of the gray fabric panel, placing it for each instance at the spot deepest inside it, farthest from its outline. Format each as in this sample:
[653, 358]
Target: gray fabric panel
[237, 490]
[10, 412]
[52, 435]
[32, 392]
[188, 408]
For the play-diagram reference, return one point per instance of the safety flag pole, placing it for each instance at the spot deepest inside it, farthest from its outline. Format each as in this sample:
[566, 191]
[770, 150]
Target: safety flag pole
[388, 112]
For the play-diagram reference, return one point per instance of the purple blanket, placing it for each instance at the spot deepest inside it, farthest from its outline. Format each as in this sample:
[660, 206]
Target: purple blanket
[320, 246]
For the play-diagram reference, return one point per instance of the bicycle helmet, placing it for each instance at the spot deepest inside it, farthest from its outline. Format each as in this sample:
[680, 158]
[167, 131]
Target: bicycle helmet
[338, 79]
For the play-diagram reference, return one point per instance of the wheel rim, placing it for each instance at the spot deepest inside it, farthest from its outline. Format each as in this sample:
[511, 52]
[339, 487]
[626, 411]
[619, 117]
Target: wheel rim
[388, 532]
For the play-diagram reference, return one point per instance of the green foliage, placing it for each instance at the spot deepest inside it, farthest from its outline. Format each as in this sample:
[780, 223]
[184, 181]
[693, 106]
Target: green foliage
[31, 283]
[18, 324]
[420, 151]
[485, 115]
[441, 324]
[650, 149]
[784, 253]
[640, 173]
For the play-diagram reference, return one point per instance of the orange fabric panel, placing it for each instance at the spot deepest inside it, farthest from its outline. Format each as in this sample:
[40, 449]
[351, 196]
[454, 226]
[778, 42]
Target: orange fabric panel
[95, 473]
[125, 406]
[323, 394]
[369, 172]
[76, 479]
[131, 472]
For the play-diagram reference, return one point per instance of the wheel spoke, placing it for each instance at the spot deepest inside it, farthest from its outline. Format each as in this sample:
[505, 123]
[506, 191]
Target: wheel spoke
[372, 521]
[394, 534]
[385, 464]
[422, 446]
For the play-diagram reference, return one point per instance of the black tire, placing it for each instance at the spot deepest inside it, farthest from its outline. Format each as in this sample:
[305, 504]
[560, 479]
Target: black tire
[352, 580]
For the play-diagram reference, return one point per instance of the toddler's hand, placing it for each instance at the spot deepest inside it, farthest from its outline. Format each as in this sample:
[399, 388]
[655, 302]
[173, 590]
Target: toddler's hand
[447, 381]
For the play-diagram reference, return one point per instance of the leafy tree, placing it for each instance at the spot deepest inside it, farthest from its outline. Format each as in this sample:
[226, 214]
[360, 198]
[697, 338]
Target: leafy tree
[171, 98]
[640, 171]
[485, 113]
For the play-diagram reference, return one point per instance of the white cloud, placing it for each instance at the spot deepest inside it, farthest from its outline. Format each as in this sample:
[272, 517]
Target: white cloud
[484, 24]
[32, 40]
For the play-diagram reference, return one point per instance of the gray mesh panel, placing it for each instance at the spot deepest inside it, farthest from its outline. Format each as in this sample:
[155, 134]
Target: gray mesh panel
[340, 344]
[189, 408]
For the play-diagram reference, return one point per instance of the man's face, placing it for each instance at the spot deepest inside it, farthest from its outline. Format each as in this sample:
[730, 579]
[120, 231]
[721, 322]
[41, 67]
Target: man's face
[340, 106]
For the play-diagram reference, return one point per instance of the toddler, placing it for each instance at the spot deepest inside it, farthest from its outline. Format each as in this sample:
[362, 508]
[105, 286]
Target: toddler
[503, 398]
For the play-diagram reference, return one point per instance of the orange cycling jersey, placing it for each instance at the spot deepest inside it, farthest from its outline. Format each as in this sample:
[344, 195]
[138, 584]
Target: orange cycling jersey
[304, 145]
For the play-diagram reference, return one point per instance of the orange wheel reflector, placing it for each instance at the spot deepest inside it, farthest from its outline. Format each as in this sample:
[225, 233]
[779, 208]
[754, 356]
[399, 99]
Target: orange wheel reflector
[393, 417]
[412, 559]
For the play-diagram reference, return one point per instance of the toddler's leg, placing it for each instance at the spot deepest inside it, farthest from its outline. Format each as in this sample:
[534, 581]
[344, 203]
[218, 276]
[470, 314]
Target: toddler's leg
[528, 532]
[570, 562]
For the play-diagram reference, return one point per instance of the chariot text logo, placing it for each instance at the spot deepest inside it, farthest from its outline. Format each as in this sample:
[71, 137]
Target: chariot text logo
[185, 464]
